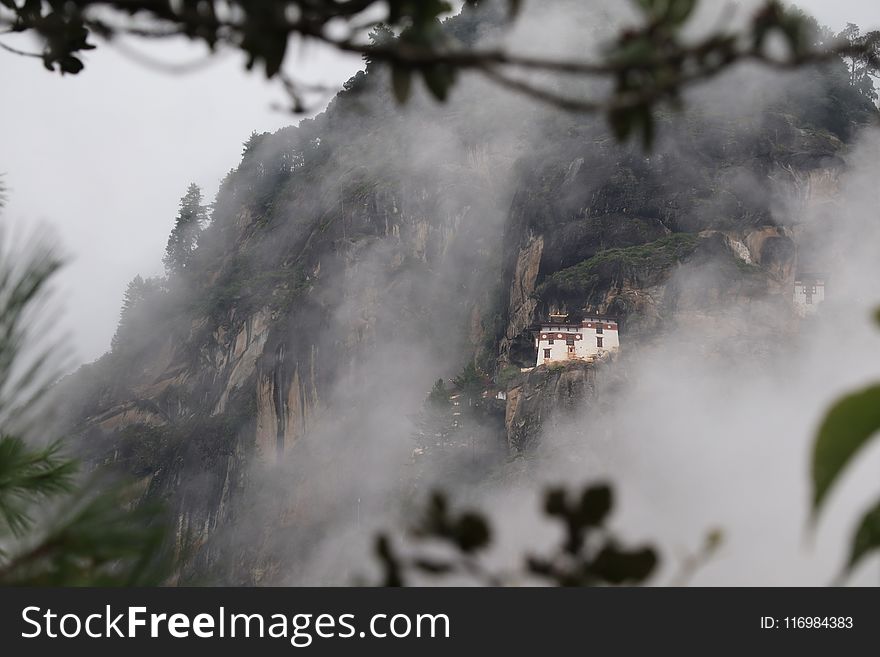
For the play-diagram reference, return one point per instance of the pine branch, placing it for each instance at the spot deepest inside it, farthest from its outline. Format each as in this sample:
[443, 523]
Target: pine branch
[98, 539]
[28, 476]
[99, 535]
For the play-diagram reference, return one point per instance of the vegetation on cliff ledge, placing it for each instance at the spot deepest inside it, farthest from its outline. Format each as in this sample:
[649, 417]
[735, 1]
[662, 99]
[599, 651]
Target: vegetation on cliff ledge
[636, 261]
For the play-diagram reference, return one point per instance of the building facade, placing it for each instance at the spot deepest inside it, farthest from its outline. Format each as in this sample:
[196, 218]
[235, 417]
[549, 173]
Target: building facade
[809, 293]
[559, 340]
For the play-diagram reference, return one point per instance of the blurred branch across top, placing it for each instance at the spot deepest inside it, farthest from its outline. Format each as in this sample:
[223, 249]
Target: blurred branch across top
[647, 64]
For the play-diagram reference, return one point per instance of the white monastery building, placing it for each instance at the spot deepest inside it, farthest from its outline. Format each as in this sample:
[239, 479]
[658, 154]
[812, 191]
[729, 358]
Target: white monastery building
[560, 340]
[809, 292]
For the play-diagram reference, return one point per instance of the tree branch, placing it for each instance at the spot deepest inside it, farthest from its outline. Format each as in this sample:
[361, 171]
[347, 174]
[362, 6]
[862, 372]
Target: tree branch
[21, 53]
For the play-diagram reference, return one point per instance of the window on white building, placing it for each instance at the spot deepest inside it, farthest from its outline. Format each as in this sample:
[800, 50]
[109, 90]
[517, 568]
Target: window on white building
[599, 342]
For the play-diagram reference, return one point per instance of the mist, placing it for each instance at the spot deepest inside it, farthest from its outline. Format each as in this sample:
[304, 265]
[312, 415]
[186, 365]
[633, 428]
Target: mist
[712, 412]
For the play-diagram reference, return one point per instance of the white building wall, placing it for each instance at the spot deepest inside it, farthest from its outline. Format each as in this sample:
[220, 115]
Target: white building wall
[558, 348]
[802, 308]
[586, 345]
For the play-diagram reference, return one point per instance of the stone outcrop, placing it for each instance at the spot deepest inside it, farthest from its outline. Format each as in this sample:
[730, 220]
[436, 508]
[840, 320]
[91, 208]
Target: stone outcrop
[546, 394]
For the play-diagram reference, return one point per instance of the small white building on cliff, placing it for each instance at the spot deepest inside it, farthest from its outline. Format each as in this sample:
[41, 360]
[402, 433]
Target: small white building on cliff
[560, 340]
[809, 293]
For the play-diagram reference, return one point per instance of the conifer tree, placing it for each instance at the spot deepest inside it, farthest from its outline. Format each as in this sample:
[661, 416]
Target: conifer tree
[862, 64]
[438, 397]
[191, 220]
[436, 422]
[136, 307]
[470, 383]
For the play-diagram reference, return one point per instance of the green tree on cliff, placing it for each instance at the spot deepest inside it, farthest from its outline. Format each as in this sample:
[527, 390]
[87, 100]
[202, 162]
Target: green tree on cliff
[191, 220]
[438, 397]
[470, 383]
[136, 305]
[862, 63]
[436, 422]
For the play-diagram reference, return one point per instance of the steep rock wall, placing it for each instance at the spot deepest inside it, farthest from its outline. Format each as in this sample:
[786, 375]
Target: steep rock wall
[546, 394]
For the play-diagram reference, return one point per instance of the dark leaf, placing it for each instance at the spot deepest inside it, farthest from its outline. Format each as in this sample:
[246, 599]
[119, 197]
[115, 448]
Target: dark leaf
[273, 52]
[389, 561]
[622, 123]
[472, 532]
[617, 566]
[432, 567]
[554, 502]
[401, 82]
[70, 64]
[847, 427]
[539, 566]
[595, 505]
[439, 79]
[867, 538]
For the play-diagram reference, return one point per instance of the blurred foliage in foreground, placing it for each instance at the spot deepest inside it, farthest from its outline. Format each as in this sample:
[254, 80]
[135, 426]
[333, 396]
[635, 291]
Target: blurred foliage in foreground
[57, 529]
[649, 63]
[450, 544]
[847, 429]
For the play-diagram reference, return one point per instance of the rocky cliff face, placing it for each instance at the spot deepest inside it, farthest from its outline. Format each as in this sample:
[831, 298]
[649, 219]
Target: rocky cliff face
[547, 394]
[353, 260]
[712, 219]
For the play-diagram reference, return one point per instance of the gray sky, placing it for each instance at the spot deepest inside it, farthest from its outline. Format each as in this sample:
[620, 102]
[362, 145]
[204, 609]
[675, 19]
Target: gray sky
[101, 159]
